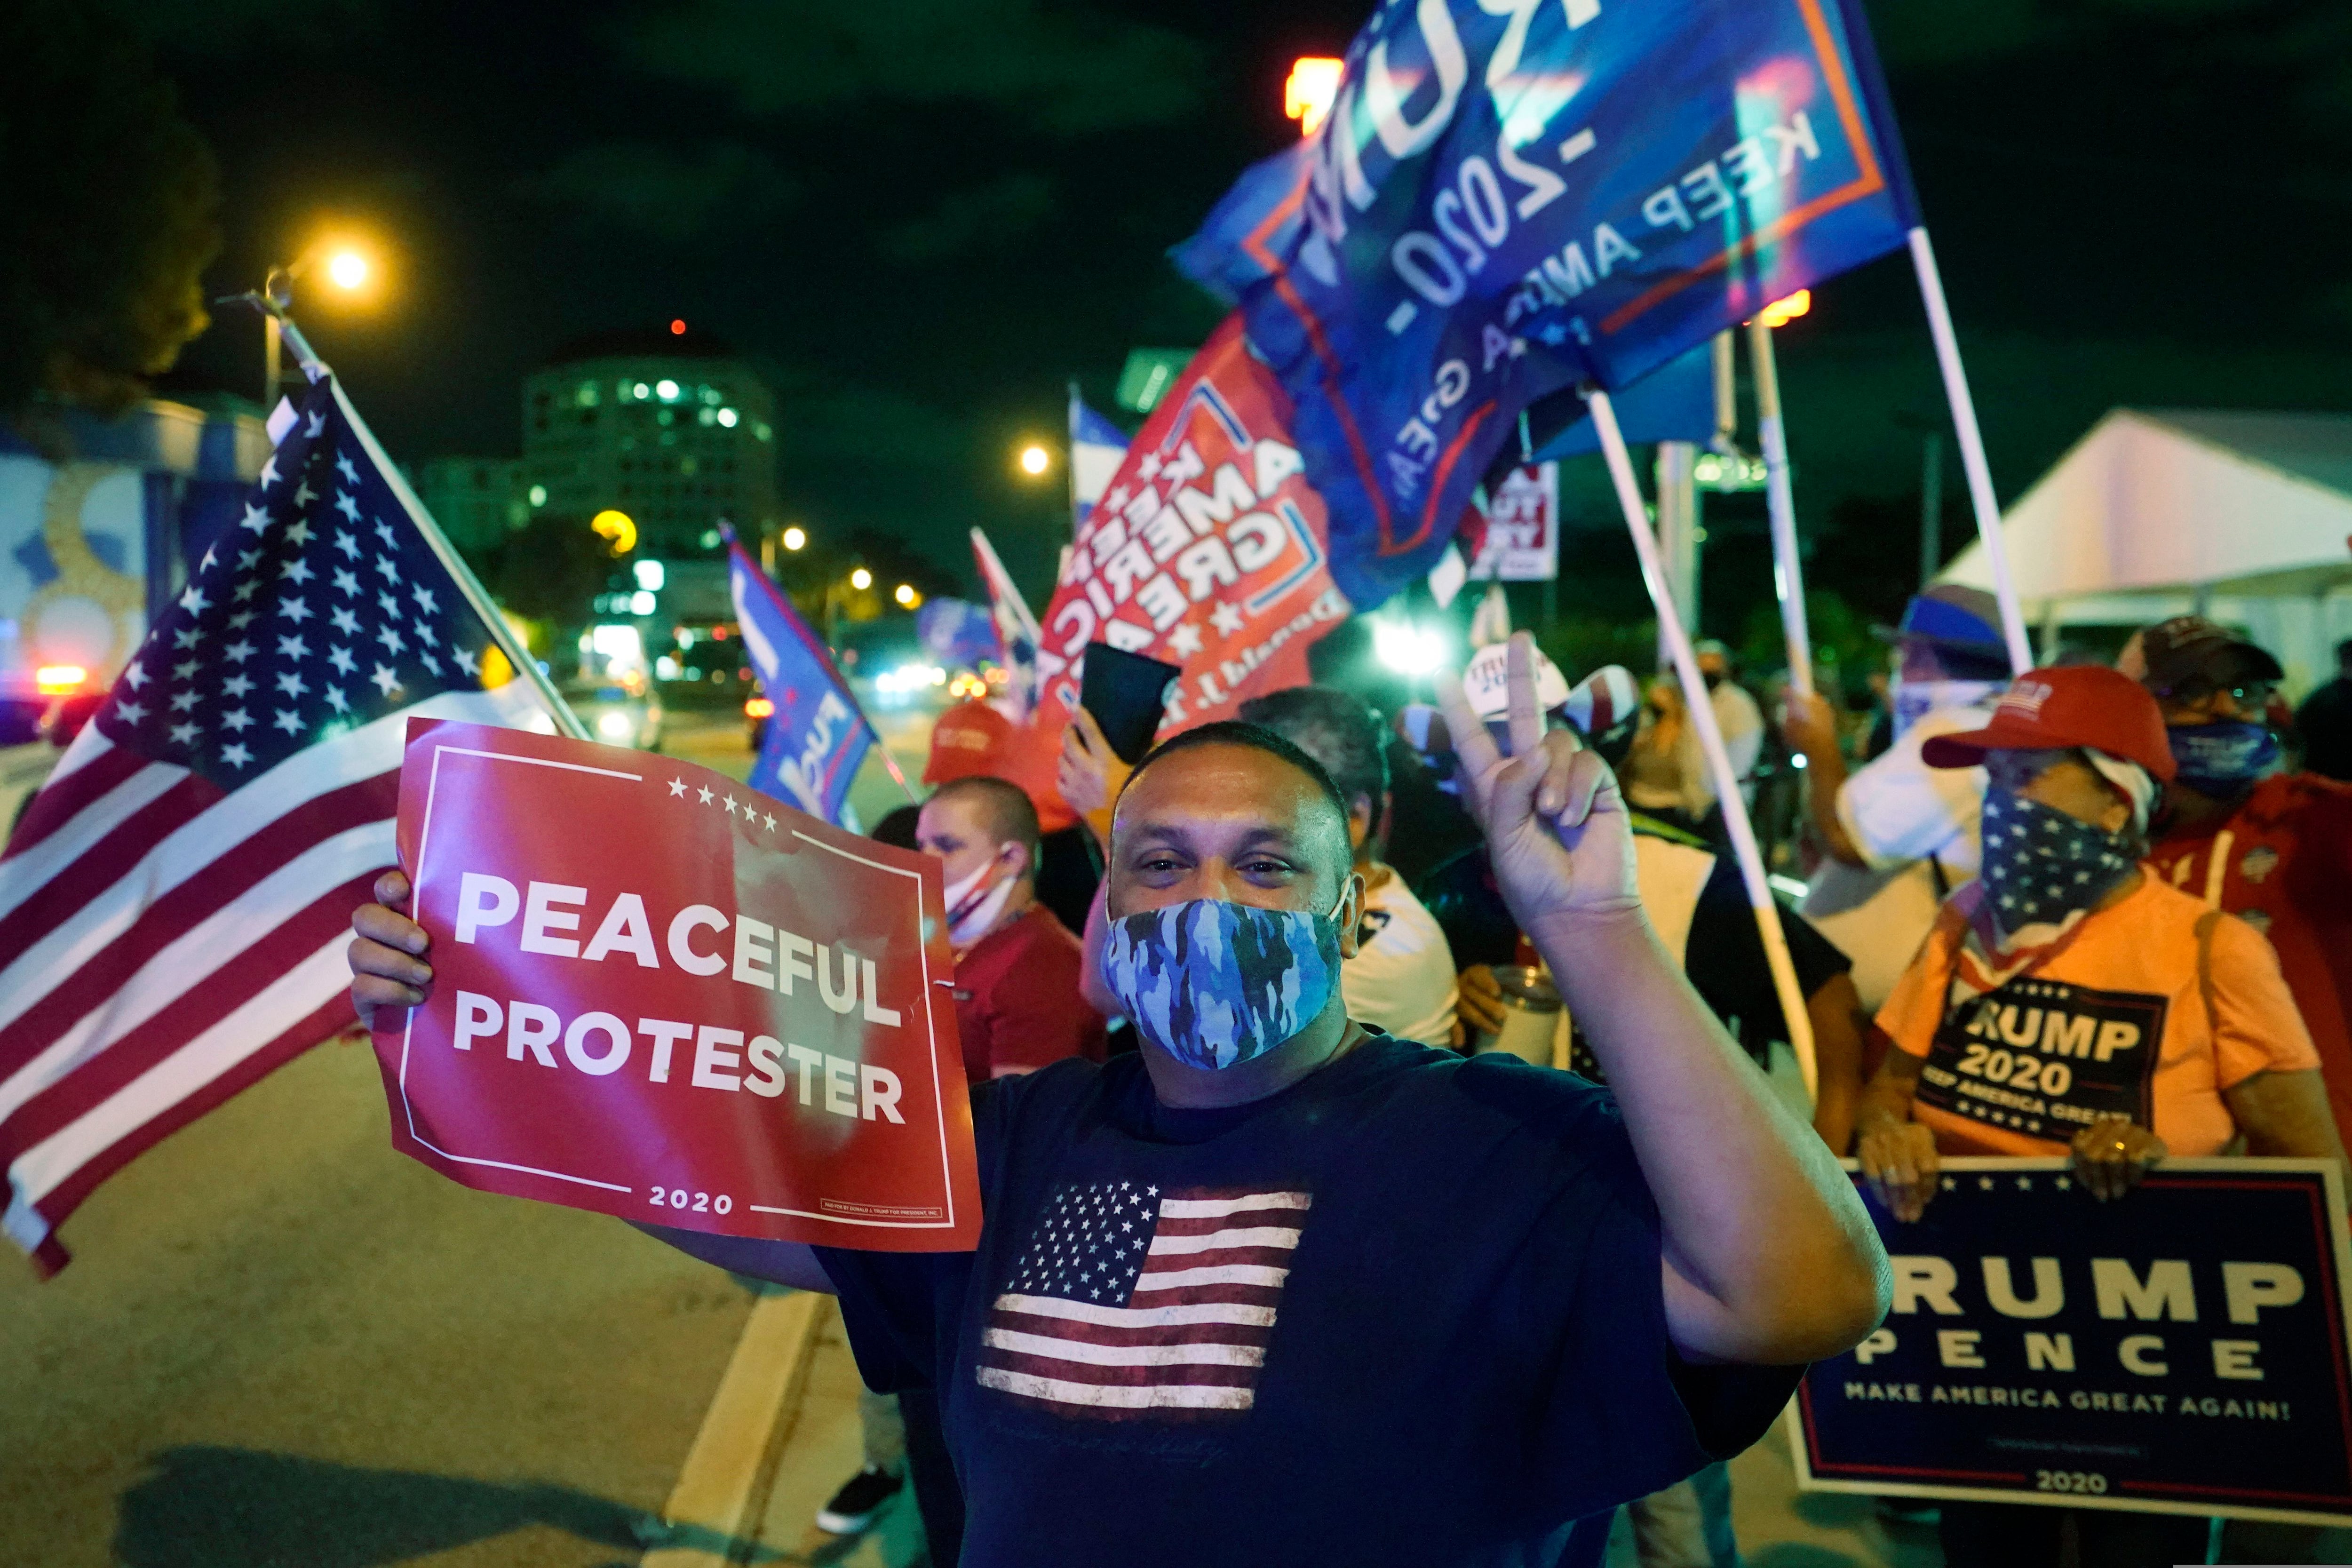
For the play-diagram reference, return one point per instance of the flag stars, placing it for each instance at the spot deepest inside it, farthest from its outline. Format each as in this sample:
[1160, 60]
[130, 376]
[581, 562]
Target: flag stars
[237, 754]
[343, 466]
[346, 503]
[136, 674]
[187, 638]
[288, 721]
[771, 824]
[389, 567]
[705, 793]
[256, 518]
[467, 662]
[183, 734]
[183, 701]
[337, 700]
[383, 532]
[678, 789]
[270, 471]
[237, 686]
[295, 610]
[293, 684]
[423, 598]
[246, 560]
[385, 681]
[246, 590]
[130, 712]
[349, 543]
[297, 570]
[426, 635]
[1226, 619]
[238, 651]
[391, 639]
[240, 620]
[340, 658]
[730, 805]
[389, 605]
[299, 532]
[344, 621]
[236, 719]
[303, 494]
[430, 663]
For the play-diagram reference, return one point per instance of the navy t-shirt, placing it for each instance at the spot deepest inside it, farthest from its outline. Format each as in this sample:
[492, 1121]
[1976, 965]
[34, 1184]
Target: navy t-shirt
[1406, 1310]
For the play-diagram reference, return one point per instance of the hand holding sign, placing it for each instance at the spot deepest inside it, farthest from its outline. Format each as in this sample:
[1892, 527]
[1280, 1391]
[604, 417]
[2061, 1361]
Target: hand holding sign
[733, 1023]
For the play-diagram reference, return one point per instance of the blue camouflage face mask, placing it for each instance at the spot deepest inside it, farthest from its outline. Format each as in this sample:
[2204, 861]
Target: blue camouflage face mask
[2222, 759]
[1214, 984]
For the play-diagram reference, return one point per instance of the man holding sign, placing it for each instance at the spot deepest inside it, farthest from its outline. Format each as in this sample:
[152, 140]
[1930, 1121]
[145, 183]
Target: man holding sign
[1487, 1300]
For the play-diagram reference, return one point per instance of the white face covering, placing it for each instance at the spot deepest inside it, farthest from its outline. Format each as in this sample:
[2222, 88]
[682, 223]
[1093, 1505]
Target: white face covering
[974, 905]
[1915, 700]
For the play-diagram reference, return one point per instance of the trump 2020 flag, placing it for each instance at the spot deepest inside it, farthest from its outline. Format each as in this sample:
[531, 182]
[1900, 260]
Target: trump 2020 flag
[175, 905]
[1510, 198]
[817, 736]
[1096, 446]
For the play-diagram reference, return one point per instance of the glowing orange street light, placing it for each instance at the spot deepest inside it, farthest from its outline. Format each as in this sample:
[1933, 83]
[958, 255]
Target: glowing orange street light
[1306, 95]
[59, 680]
[617, 526]
[1035, 459]
[1780, 312]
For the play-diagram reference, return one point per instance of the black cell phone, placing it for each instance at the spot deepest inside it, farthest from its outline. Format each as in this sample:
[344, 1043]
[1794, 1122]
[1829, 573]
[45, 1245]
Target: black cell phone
[1127, 693]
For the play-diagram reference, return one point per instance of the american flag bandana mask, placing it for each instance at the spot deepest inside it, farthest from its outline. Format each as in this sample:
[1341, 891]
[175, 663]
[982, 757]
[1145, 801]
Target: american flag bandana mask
[2043, 868]
[1214, 984]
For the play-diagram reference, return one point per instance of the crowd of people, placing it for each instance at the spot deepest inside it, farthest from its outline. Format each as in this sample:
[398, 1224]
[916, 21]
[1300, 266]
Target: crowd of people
[2136, 829]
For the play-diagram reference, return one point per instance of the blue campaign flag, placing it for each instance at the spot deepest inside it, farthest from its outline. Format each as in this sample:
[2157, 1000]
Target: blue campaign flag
[817, 736]
[1675, 402]
[957, 631]
[1513, 196]
[1098, 447]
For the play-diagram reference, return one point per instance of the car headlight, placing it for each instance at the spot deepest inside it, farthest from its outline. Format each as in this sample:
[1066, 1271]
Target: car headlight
[615, 726]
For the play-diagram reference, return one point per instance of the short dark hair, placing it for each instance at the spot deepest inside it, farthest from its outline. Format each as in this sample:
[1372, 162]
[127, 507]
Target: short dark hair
[1338, 730]
[1006, 812]
[1257, 738]
[897, 827]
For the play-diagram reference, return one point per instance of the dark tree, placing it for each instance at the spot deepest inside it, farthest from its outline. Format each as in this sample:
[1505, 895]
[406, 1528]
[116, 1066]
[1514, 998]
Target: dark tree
[549, 569]
[112, 203]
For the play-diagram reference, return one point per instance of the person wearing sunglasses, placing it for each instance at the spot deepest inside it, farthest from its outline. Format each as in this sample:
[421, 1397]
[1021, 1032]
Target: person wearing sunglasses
[2243, 834]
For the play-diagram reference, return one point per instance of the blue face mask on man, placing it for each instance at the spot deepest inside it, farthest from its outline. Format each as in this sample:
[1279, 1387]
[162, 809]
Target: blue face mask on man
[1214, 984]
[2222, 759]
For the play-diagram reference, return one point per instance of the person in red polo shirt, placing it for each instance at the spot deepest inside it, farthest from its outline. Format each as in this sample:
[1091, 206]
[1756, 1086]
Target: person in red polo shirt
[2240, 833]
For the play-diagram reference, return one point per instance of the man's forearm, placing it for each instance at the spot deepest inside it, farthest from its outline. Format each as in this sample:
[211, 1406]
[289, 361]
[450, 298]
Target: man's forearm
[1824, 780]
[788, 1263]
[1751, 1202]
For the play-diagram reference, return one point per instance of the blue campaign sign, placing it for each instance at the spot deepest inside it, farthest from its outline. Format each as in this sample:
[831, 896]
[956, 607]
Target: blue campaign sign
[2182, 1350]
[816, 737]
[1512, 196]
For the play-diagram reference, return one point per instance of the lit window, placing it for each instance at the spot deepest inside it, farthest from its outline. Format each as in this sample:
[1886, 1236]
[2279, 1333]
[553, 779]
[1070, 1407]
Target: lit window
[761, 431]
[587, 395]
[703, 417]
[728, 417]
[713, 396]
[668, 390]
[643, 390]
[539, 495]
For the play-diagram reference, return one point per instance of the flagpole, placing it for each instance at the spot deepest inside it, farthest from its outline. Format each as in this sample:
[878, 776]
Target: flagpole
[1788, 564]
[1710, 734]
[1972, 452]
[484, 608]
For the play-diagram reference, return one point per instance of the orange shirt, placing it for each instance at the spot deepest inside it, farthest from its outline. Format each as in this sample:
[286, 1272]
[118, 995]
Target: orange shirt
[2118, 1016]
[2283, 863]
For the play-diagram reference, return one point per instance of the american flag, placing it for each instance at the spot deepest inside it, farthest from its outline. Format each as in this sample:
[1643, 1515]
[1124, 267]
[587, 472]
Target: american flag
[175, 902]
[1130, 1299]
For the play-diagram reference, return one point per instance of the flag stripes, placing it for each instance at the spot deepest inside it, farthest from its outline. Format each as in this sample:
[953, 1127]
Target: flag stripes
[175, 905]
[1127, 1301]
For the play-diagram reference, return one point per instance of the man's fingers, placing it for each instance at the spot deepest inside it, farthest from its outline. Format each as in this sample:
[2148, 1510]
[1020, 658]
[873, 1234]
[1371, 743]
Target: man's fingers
[1090, 733]
[388, 927]
[1473, 746]
[1519, 684]
[374, 958]
[392, 889]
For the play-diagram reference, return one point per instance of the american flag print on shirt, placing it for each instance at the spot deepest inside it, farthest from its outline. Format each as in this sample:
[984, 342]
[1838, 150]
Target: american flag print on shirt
[176, 904]
[1133, 1299]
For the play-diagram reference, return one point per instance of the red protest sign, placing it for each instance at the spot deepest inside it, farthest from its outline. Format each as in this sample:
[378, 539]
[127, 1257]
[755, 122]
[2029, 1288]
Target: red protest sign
[1209, 550]
[660, 994]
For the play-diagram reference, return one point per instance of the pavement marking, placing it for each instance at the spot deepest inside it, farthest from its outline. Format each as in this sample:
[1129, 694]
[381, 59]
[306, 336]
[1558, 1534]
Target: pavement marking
[722, 1495]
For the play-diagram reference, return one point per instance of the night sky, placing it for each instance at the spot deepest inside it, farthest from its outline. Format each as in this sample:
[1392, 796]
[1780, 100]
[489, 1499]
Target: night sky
[921, 220]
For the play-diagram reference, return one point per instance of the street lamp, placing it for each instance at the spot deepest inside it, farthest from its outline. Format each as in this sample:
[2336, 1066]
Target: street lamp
[861, 579]
[796, 537]
[1034, 461]
[906, 595]
[1306, 95]
[346, 268]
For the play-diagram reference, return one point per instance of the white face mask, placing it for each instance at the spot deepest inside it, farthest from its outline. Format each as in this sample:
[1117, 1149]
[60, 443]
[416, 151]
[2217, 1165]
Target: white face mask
[1915, 700]
[974, 906]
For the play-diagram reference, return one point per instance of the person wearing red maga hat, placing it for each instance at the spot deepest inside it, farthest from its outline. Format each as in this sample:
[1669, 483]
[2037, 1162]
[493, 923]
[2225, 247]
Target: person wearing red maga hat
[2069, 1002]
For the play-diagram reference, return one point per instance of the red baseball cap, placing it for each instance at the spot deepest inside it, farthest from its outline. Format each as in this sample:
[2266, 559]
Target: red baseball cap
[973, 740]
[2071, 705]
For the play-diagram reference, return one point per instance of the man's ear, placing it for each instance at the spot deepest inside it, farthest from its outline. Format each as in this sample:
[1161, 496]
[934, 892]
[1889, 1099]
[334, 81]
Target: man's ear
[1017, 857]
[1351, 916]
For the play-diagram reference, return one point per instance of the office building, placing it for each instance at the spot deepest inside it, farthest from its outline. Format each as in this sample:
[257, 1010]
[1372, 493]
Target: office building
[478, 502]
[669, 427]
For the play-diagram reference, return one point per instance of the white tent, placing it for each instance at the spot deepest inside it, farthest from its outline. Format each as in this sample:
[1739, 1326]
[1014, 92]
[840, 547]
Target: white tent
[2243, 517]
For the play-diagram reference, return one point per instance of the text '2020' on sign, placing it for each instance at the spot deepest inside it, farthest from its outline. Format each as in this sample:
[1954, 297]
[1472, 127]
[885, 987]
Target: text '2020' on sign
[660, 994]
